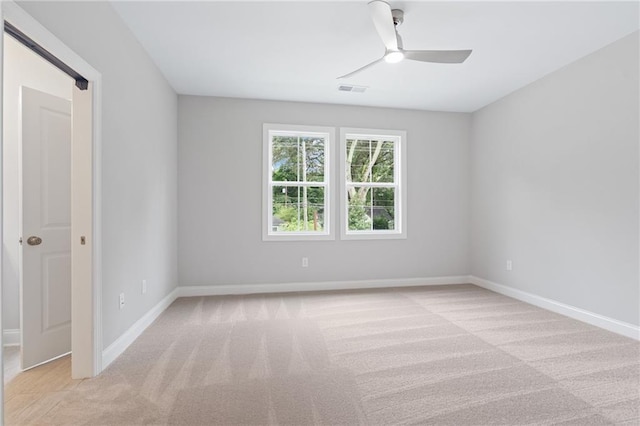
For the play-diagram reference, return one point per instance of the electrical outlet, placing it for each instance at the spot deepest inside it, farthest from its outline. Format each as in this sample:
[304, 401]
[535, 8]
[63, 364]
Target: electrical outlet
[144, 286]
[509, 265]
[305, 262]
[121, 300]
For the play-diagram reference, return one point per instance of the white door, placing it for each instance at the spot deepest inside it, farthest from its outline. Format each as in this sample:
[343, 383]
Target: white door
[45, 227]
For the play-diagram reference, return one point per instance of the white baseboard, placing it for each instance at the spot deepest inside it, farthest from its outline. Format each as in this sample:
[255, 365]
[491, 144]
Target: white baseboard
[610, 324]
[128, 337]
[218, 290]
[11, 337]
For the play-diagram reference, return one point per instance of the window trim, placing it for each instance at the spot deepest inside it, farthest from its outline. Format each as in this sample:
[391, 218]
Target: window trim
[400, 178]
[328, 232]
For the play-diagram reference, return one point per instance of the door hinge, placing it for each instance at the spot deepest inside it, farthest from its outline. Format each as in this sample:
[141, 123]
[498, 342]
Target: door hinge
[20, 241]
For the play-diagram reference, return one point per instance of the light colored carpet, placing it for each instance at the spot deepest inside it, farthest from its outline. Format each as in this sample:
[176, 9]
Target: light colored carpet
[447, 355]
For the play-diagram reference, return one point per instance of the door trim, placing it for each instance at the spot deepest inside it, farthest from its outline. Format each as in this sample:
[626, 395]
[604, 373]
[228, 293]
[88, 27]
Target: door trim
[88, 353]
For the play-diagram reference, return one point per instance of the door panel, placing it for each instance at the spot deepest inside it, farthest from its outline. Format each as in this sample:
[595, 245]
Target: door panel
[45, 213]
[56, 298]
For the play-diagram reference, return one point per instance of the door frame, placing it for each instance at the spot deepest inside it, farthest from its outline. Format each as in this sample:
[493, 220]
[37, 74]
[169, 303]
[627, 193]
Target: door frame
[86, 304]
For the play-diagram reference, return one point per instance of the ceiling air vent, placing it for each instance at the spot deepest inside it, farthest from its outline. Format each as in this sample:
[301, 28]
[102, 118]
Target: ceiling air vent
[351, 88]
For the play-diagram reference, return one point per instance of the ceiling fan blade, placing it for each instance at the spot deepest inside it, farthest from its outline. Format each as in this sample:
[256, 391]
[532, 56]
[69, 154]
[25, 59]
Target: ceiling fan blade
[361, 69]
[438, 56]
[383, 21]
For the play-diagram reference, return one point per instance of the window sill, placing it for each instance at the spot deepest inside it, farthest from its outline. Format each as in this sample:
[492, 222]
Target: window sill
[374, 236]
[298, 237]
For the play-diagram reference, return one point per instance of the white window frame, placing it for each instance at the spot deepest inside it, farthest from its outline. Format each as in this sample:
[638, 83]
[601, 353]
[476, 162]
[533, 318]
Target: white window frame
[328, 232]
[400, 180]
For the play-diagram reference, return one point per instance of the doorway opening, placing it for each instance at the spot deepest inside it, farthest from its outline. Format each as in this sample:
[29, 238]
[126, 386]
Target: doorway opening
[36, 277]
[84, 206]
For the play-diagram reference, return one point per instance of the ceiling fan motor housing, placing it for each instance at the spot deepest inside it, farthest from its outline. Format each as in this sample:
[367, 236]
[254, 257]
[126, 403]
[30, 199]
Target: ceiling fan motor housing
[398, 16]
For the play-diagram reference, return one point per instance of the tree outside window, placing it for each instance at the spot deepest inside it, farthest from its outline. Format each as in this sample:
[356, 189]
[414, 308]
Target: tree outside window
[373, 195]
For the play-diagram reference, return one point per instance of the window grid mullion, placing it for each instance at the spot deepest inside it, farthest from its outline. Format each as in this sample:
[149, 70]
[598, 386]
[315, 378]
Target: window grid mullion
[293, 183]
[373, 184]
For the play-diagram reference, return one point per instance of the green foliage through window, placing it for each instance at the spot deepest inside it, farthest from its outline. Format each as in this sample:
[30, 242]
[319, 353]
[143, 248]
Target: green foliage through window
[298, 182]
[297, 208]
[370, 175]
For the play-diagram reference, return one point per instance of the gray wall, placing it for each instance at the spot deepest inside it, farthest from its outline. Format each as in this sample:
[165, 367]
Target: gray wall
[220, 202]
[139, 158]
[555, 185]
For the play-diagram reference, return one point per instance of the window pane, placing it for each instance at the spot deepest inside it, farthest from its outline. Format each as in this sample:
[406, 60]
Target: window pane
[297, 158]
[371, 208]
[383, 208]
[298, 209]
[383, 165]
[312, 156]
[359, 209]
[370, 161]
[285, 157]
[358, 154]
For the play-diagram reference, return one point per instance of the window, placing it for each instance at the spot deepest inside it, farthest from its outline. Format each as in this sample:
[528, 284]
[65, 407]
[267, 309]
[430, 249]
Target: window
[297, 192]
[373, 188]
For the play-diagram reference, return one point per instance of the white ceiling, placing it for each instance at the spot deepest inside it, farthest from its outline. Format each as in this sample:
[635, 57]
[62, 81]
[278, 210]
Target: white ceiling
[295, 50]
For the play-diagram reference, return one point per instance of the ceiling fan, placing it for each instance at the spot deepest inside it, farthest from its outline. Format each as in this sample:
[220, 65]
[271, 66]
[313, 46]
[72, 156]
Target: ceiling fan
[386, 22]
